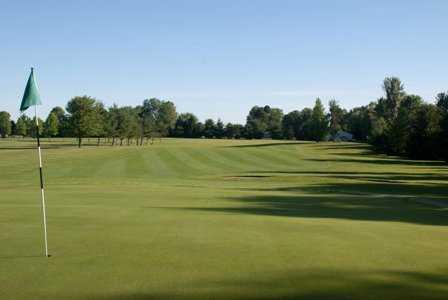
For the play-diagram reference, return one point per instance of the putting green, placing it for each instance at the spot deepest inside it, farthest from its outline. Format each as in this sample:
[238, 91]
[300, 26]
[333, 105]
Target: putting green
[217, 219]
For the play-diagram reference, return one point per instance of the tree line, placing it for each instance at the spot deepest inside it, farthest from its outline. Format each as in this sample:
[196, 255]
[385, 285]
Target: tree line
[398, 123]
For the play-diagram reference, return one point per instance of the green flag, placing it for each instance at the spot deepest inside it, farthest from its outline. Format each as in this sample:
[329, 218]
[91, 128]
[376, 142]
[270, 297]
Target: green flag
[30, 98]
[31, 95]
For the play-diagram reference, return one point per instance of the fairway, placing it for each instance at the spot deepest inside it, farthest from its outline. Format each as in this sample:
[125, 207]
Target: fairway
[222, 219]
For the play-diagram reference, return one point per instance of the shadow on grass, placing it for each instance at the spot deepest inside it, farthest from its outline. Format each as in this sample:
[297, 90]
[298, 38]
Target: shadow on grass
[267, 144]
[43, 146]
[8, 257]
[379, 188]
[382, 197]
[382, 161]
[309, 285]
[344, 146]
[348, 207]
[247, 176]
[367, 150]
[368, 176]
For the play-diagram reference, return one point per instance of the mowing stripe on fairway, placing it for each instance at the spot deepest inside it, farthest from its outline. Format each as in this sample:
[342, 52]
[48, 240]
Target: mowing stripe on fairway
[203, 161]
[180, 167]
[213, 158]
[157, 165]
[235, 158]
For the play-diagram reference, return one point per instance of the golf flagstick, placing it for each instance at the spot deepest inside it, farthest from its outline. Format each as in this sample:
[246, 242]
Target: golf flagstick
[30, 98]
[42, 191]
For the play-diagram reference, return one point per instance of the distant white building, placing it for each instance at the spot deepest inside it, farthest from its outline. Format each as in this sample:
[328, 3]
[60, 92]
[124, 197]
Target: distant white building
[341, 136]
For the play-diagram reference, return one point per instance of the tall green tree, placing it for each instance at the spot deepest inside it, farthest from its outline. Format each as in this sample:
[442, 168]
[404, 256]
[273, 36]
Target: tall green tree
[186, 126]
[64, 129]
[84, 118]
[220, 130]
[146, 117]
[127, 123]
[275, 123]
[13, 127]
[290, 125]
[111, 124]
[5, 124]
[319, 121]
[394, 89]
[166, 117]
[101, 126]
[156, 117]
[442, 101]
[264, 122]
[337, 117]
[359, 122]
[234, 131]
[209, 129]
[388, 120]
[51, 126]
[442, 105]
[398, 131]
[424, 132]
[59, 112]
[257, 122]
[305, 125]
[22, 125]
[298, 125]
[31, 126]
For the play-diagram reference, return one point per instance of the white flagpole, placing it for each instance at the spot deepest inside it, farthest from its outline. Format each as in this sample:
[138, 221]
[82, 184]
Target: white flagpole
[41, 183]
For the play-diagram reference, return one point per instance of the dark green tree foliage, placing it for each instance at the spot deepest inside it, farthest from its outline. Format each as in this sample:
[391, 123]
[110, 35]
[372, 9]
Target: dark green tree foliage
[319, 122]
[51, 126]
[290, 125]
[209, 128]
[156, 117]
[442, 101]
[63, 122]
[305, 122]
[13, 127]
[402, 124]
[111, 125]
[199, 130]
[337, 117]
[264, 122]
[442, 105]
[166, 117]
[101, 126]
[60, 114]
[359, 122]
[425, 132]
[145, 118]
[22, 125]
[234, 131]
[31, 126]
[213, 130]
[398, 131]
[220, 131]
[187, 126]
[5, 124]
[257, 122]
[397, 123]
[127, 123]
[392, 120]
[275, 123]
[85, 119]
[394, 90]
[298, 125]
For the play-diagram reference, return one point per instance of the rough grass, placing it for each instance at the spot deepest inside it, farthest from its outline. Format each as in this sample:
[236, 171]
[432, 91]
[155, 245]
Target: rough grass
[216, 219]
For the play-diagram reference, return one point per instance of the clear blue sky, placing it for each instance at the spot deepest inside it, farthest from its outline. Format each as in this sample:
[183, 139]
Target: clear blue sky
[219, 58]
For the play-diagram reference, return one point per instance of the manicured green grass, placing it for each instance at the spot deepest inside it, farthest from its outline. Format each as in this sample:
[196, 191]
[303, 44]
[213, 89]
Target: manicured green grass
[216, 219]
